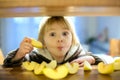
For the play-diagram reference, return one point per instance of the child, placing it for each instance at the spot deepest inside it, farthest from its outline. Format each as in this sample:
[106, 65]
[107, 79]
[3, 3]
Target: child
[59, 43]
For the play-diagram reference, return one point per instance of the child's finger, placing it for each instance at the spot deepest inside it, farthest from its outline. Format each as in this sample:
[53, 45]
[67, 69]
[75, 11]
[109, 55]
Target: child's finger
[27, 40]
[81, 64]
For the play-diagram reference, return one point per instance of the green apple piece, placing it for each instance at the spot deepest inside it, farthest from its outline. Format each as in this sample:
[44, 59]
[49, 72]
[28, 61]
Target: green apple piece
[39, 68]
[87, 66]
[72, 67]
[29, 65]
[52, 64]
[58, 73]
[105, 68]
[36, 43]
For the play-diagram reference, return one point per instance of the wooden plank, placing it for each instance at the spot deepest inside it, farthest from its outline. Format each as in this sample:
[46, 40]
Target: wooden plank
[61, 11]
[57, 3]
[19, 8]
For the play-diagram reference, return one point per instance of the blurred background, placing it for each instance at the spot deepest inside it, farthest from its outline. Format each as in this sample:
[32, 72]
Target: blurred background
[94, 32]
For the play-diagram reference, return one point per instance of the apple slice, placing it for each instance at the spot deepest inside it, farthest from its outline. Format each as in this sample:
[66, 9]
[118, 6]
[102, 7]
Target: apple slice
[117, 63]
[29, 65]
[117, 59]
[58, 73]
[39, 68]
[105, 68]
[52, 64]
[87, 66]
[36, 43]
[25, 64]
[72, 67]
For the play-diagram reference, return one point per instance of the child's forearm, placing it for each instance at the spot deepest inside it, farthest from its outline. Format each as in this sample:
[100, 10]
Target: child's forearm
[8, 62]
[90, 59]
[18, 56]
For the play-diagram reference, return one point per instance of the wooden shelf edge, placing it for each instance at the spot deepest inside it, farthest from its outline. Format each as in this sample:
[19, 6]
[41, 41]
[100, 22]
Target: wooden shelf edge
[61, 11]
[57, 3]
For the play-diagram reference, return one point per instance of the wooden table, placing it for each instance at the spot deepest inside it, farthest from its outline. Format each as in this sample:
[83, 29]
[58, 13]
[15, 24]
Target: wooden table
[18, 73]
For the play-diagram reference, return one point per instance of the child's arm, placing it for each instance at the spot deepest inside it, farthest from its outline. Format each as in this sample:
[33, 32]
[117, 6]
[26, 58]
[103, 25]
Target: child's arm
[25, 47]
[8, 60]
[81, 60]
[92, 59]
[88, 56]
[15, 58]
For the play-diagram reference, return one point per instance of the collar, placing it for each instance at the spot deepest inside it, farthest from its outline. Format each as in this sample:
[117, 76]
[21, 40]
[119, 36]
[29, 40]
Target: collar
[45, 52]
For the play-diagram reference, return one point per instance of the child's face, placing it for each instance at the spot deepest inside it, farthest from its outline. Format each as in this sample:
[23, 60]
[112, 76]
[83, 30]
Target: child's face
[58, 40]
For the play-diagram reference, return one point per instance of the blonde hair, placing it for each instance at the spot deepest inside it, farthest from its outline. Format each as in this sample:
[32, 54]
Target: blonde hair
[60, 20]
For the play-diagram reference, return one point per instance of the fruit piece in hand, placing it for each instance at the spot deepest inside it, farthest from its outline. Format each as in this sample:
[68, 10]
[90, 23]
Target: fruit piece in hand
[39, 68]
[58, 73]
[105, 68]
[72, 67]
[87, 66]
[52, 64]
[29, 65]
[36, 43]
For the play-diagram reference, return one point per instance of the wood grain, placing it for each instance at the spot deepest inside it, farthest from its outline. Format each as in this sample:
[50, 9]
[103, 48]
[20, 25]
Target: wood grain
[57, 3]
[28, 8]
[18, 73]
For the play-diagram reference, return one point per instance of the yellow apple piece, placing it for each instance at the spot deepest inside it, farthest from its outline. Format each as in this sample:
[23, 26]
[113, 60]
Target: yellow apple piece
[29, 65]
[25, 64]
[87, 66]
[105, 68]
[52, 64]
[36, 43]
[60, 72]
[39, 68]
[72, 67]
[117, 63]
[117, 59]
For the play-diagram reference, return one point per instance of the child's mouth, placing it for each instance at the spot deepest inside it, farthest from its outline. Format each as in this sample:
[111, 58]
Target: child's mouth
[60, 48]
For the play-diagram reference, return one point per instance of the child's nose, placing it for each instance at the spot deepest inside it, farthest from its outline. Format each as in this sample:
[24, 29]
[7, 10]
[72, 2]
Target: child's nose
[60, 40]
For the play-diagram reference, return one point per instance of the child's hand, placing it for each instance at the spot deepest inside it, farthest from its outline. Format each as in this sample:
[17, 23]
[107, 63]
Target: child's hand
[25, 47]
[81, 60]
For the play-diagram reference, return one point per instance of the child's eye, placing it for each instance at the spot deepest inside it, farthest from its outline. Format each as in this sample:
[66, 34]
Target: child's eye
[65, 33]
[52, 34]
